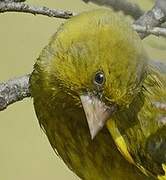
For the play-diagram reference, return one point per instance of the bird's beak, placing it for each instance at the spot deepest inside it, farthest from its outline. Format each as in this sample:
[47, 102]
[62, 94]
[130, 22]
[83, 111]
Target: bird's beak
[97, 113]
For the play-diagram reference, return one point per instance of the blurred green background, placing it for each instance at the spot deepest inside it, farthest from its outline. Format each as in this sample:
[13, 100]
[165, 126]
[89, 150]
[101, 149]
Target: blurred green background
[24, 150]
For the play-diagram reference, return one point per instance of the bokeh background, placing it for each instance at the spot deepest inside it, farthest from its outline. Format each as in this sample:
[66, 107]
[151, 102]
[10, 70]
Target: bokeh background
[25, 153]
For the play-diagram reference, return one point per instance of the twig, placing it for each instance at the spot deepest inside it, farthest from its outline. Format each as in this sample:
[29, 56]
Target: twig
[153, 18]
[12, 1]
[157, 31]
[23, 7]
[160, 106]
[128, 8]
[14, 90]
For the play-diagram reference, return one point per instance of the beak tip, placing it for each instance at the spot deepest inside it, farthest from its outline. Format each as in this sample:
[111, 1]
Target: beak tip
[92, 137]
[93, 133]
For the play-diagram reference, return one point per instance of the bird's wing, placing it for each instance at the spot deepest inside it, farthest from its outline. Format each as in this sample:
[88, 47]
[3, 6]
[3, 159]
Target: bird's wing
[156, 149]
[160, 100]
[156, 143]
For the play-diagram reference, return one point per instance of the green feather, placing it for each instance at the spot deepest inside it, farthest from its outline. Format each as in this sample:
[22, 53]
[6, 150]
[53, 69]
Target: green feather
[143, 125]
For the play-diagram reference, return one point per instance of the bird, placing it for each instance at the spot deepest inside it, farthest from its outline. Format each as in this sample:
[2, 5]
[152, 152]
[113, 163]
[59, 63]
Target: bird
[91, 73]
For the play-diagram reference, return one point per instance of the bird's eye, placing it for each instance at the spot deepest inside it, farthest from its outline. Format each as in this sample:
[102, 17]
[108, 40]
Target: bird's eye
[99, 78]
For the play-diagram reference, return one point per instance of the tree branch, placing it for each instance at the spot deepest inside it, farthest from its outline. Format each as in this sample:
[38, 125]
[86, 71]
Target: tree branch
[17, 89]
[153, 18]
[7, 1]
[14, 90]
[160, 106]
[157, 31]
[128, 8]
[23, 7]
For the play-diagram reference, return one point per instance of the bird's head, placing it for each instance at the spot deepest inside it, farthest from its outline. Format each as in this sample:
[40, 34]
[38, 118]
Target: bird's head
[99, 59]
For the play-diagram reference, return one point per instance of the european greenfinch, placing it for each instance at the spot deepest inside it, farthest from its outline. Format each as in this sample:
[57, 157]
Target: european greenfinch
[89, 85]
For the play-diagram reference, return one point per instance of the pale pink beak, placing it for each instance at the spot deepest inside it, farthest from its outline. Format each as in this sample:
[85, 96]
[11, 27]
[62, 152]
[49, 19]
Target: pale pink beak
[97, 113]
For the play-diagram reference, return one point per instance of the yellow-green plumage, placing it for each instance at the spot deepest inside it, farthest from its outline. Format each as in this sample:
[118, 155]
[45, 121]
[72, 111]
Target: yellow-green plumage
[143, 124]
[95, 41]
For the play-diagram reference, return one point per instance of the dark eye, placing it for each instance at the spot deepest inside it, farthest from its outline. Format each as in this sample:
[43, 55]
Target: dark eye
[99, 78]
